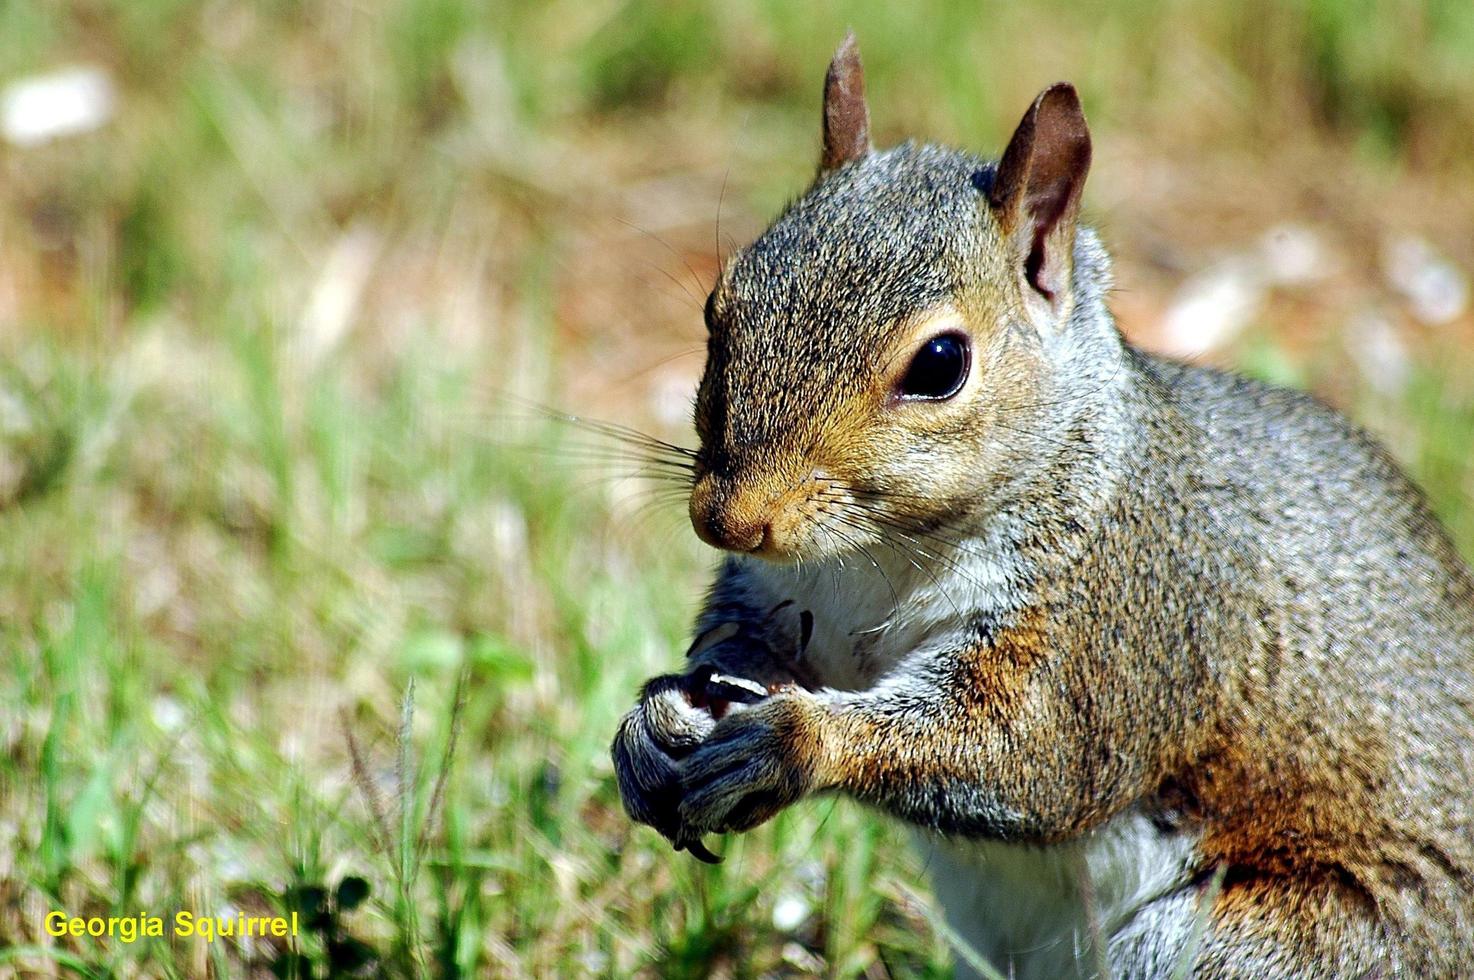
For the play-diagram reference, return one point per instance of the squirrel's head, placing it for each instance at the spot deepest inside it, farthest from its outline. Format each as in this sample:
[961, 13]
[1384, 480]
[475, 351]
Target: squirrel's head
[874, 354]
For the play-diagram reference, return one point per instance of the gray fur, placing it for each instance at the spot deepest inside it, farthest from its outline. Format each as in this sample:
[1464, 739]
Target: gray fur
[1207, 599]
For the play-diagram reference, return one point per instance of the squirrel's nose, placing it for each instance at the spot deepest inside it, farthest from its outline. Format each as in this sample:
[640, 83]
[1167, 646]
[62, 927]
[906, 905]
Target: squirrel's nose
[729, 521]
[732, 537]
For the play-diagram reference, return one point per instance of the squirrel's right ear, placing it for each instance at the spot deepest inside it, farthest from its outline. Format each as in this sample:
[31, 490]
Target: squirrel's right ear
[1036, 195]
[846, 117]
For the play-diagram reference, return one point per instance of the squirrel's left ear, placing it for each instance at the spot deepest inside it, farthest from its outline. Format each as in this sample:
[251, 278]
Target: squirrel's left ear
[1036, 194]
[846, 117]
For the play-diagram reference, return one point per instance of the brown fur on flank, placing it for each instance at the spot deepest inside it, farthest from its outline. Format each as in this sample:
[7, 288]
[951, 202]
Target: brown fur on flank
[1089, 608]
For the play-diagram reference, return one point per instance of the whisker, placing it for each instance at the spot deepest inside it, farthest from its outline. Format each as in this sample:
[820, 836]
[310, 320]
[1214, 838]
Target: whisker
[871, 510]
[701, 288]
[613, 430]
[602, 454]
[721, 199]
[884, 523]
[895, 597]
[623, 433]
[911, 560]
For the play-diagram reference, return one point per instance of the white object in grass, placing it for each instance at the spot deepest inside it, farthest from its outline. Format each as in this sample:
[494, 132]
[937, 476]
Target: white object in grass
[67, 102]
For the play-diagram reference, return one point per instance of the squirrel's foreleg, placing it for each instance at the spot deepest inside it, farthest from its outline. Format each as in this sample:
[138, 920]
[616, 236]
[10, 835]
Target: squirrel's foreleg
[974, 742]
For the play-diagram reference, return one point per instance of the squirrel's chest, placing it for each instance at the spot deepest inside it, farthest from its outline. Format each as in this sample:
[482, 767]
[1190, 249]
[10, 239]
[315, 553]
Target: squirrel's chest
[1047, 911]
[868, 617]
[860, 632]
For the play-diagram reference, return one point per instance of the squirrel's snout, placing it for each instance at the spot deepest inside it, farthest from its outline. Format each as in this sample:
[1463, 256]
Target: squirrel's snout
[722, 525]
[732, 537]
[729, 519]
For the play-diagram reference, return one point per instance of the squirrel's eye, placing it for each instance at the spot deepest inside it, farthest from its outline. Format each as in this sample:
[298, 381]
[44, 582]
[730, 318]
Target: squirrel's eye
[938, 369]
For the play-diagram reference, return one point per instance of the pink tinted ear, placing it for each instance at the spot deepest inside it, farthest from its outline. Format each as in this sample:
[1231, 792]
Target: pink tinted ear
[846, 117]
[1036, 191]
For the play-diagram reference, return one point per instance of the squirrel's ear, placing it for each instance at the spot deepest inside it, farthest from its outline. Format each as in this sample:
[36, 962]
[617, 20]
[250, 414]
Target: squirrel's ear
[846, 117]
[1036, 191]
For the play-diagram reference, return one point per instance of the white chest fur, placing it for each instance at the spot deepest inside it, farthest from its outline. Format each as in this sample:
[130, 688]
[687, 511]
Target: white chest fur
[870, 612]
[1050, 912]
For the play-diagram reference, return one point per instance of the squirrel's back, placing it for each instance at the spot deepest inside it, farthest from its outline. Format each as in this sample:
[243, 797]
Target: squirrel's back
[1343, 753]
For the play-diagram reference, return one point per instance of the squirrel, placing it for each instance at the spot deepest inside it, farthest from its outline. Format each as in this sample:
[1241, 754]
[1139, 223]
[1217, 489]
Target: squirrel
[1167, 667]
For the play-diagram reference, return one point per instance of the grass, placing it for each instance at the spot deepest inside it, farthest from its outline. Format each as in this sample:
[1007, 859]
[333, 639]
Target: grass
[259, 489]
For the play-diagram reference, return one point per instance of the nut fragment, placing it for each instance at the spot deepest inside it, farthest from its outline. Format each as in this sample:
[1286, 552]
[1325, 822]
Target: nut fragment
[729, 688]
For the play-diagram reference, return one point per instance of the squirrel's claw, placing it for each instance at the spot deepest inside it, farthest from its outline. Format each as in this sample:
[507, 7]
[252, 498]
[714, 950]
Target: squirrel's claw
[662, 728]
[698, 850]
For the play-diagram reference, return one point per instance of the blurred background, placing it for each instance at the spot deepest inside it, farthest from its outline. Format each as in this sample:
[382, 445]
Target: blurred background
[302, 609]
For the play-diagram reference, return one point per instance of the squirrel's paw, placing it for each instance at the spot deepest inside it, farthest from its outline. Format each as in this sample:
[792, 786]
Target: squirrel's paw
[754, 764]
[661, 729]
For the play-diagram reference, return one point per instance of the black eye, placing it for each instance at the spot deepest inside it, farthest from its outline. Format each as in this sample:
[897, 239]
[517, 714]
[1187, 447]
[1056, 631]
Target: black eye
[938, 369]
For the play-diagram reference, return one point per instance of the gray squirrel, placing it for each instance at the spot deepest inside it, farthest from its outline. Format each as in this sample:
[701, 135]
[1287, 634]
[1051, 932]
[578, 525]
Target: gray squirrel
[1141, 649]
